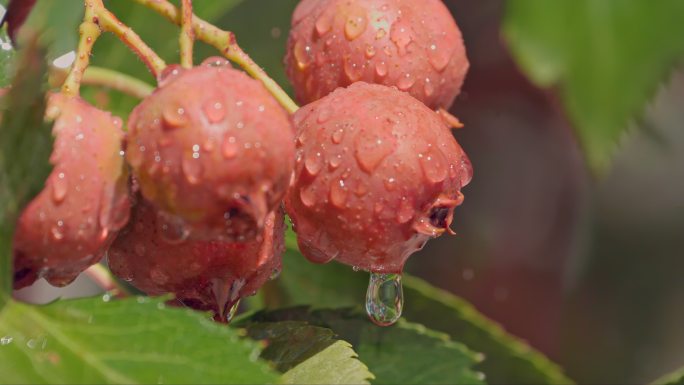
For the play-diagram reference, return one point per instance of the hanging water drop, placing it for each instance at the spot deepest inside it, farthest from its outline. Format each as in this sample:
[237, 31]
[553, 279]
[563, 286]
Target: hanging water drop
[384, 298]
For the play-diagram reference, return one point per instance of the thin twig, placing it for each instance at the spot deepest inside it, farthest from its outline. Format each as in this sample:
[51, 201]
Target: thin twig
[225, 42]
[187, 35]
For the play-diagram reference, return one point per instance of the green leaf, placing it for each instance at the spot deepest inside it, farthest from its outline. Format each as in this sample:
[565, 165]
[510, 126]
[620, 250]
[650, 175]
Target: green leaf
[674, 378]
[606, 57]
[7, 55]
[138, 340]
[507, 359]
[404, 353]
[309, 354]
[25, 144]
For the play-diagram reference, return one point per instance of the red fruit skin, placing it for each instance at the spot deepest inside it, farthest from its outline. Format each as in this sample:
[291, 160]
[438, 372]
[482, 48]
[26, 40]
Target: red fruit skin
[372, 186]
[214, 148]
[204, 275]
[68, 226]
[413, 45]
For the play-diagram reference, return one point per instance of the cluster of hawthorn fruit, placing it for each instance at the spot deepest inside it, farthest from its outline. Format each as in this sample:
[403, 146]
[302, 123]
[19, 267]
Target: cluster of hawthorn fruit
[190, 198]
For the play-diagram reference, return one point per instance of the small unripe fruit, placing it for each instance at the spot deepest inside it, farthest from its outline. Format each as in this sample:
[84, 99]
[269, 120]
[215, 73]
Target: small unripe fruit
[414, 45]
[205, 275]
[69, 224]
[212, 148]
[372, 186]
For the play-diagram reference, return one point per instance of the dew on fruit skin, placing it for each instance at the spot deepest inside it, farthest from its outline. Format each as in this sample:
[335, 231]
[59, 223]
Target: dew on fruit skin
[172, 229]
[384, 298]
[337, 136]
[352, 70]
[214, 111]
[434, 166]
[307, 196]
[390, 183]
[229, 147]
[355, 26]
[400, 34]
[335, 162]
[338, 193]
[405, 212]
[302, 55]
[313, 162]
[381, 69]
[370, 51]
[60, 186]
[192, 169]
[323, 115]
[323, 24]
[174, 116]
[406, 81]
[438, 56]
[428, 87]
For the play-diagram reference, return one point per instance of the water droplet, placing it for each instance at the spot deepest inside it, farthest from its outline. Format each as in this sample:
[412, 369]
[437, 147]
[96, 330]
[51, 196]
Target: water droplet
[371, 149]
[356, 268]
[438, 56]
[229, 148]
[323, 115]
[406, 81]
[169, 73]
[6, 340]
[192, 169]
[384, 298]
[174, 116]
[275, 273]
[335, 162]
[302, 54]
[313, 162]
[428, 87]
[400, 34]
[354, 26]
[59, 187]
[434, 166]
[214, 111]
[106, 297]
[352, 70]
[117, 122]
[307, 196]
[171, 228]
[405, 212]
[338, 194]
[390, 184]
[381, 69]
[370, 51]
[323, 24]
[216, 61]
[337, 136]
[380, 34]
[57, 231]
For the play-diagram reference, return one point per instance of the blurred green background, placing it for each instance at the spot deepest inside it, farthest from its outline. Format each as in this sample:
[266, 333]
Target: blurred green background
[572, 231]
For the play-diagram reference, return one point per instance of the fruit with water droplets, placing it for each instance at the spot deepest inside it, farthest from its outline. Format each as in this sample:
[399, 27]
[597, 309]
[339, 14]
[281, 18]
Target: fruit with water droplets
[372, 186]
[414, 45]
[213, 149]
[205, 275]
[69, 224]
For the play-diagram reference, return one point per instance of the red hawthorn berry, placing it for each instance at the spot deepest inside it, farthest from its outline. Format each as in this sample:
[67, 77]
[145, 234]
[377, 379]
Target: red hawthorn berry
[205, 275]
[414, 45]
[69, 224]
[372, 186]
[212, 148]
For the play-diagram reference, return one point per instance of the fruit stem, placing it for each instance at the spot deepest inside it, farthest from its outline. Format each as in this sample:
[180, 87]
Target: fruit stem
[187, 35]
[109, 23]
[104, 77]
[225, 42]
[104, 279]
[89, 32]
